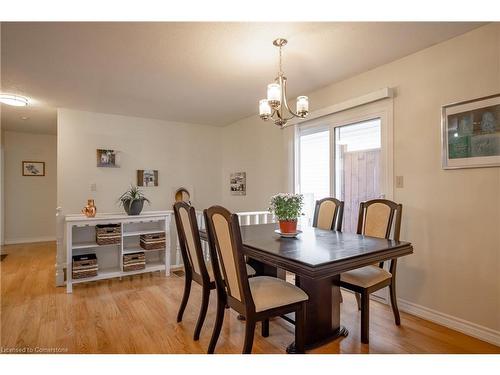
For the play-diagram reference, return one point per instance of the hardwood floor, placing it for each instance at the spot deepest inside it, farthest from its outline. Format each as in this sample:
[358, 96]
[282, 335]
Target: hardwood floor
[137, 315]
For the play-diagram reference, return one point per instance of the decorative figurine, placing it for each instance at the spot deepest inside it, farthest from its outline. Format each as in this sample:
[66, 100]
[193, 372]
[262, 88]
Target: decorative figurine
[90, 209]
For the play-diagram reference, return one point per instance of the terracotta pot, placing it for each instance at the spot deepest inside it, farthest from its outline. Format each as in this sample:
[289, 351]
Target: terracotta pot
[288, 226]
[90, 209]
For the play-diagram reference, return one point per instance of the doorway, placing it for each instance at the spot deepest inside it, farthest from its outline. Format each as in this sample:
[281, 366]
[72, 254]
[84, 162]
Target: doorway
[347, 155]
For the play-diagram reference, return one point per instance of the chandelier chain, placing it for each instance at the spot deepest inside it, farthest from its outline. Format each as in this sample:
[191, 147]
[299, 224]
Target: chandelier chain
[281, 67]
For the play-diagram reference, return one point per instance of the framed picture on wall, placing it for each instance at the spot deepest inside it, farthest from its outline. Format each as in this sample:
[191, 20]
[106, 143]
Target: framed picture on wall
[107, 158]
[238, 183]
[471, 133]
[33, 168]
[147, 177]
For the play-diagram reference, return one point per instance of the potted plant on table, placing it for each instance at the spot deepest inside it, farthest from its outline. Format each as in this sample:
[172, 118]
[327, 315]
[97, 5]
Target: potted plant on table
[133, 200]
[287, 208]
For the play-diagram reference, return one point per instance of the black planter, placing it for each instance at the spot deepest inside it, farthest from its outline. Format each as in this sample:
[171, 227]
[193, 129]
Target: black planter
[135, 208]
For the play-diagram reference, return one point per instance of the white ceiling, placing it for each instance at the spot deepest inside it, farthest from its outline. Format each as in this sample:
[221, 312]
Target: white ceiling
[204, 73]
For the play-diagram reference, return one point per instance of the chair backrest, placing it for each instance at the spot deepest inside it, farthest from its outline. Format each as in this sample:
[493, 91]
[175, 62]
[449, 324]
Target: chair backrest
[328, 214]
[225, 242]
[189, 240]
[377, 216]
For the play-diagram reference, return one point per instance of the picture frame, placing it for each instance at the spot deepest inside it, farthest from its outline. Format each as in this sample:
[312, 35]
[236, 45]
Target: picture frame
[33, 168]
[147, 177]
[470, 133]
[107, 158]
[238, 183]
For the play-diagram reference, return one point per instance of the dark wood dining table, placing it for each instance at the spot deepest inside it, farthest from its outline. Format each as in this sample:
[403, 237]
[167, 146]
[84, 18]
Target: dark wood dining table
[317, 258]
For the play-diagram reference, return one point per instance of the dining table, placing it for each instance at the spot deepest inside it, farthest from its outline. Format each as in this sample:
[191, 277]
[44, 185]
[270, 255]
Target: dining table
[317, 257]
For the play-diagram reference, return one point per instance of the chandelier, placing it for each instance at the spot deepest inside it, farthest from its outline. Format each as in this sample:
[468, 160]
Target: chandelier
[276, 105]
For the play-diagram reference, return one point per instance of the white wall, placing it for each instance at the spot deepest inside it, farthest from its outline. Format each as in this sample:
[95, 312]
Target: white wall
[30, 201]
[452, 217]
[184, 155]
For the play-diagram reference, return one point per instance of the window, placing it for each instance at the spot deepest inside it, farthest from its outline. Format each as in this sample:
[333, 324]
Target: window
[314, 176]
[357, 167]
[345, 155]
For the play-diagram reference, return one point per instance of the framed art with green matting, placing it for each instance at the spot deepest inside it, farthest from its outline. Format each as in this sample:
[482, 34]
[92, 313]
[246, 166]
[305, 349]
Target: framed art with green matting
[471, 133]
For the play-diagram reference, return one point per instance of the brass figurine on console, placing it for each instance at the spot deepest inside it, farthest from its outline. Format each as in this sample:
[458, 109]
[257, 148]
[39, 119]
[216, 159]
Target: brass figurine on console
[90, 209]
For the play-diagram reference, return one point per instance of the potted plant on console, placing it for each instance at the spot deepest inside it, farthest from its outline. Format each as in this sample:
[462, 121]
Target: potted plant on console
[287, 208]
[133, 200]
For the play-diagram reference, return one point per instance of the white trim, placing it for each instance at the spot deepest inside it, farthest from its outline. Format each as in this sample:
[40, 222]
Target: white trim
[472, 329]
[177, 267]
[15, 241]
[382, 109]
[371, 97]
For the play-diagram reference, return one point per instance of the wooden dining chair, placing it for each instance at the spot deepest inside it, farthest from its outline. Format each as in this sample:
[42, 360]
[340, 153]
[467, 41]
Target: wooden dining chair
[375, 219]
[258, 298]
[328, 214]
[195, 266]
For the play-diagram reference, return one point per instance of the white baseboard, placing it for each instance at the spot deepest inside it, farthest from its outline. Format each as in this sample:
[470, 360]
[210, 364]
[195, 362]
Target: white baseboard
[29, 240]
[176, 267]
[458, 324]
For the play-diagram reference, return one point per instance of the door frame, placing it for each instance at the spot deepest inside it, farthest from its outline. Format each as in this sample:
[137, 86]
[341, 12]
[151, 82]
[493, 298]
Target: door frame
[382, 109]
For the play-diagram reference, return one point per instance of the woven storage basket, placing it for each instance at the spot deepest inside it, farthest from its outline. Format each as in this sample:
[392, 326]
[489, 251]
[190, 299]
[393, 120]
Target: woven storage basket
[153, 241]
[108, 234]
[84, 266]
[134, 261]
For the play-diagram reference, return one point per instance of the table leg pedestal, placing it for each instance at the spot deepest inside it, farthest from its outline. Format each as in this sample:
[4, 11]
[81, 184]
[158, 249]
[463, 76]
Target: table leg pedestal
[322, 311]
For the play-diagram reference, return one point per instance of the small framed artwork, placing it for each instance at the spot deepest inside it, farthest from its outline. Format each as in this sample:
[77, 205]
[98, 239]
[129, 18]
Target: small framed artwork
[470, 132]
[33, 168]
[238, 183]
[147, 177]
[107, 158]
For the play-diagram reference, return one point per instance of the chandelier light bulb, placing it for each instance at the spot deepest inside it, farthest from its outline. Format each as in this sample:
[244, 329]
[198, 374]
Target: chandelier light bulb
[302, 106]
[264, 109]
[274, 95]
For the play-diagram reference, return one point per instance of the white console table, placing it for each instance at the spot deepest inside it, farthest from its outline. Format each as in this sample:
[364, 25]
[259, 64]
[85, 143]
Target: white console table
[80, 239]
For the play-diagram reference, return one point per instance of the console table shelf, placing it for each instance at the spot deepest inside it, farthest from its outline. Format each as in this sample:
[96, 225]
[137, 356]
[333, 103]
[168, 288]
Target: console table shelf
[80, 238]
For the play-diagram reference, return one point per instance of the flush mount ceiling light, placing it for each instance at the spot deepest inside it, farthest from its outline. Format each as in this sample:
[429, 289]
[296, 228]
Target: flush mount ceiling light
[14, 100]
[276, 105]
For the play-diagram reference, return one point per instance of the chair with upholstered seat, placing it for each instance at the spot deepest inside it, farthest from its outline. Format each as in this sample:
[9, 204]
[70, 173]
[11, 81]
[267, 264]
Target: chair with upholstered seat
[258, 298]
[195, 266]
[375, 219]
[328, 214]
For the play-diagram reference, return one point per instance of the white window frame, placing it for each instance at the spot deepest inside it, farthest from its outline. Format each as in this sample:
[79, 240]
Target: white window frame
[382, 109]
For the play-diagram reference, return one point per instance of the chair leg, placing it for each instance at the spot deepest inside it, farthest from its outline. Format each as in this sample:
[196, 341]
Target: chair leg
[365, 317]
[394, 303]
[219, 319]
[300, 325]
[203, 312]
[265, 328]
[358, 300]
[249, 332]
[185, 297]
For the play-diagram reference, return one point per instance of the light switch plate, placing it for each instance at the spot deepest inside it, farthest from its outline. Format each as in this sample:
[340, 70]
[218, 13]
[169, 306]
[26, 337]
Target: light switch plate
[399, 182]
[93, 187]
